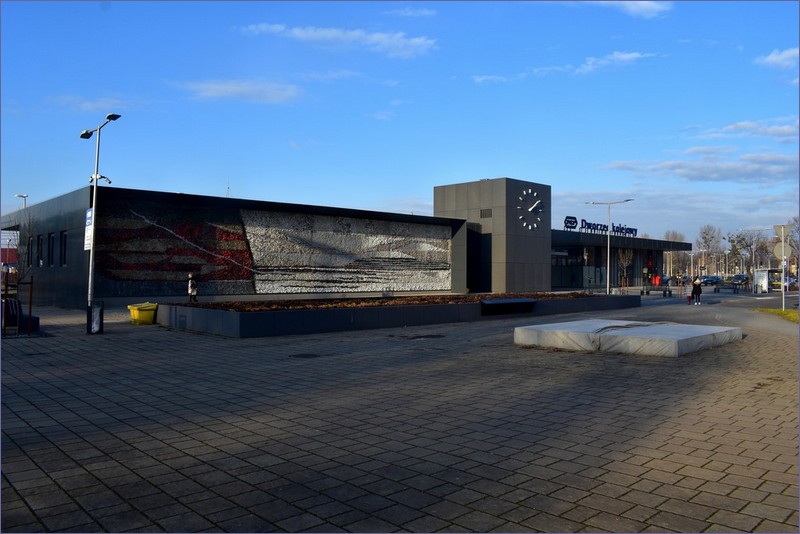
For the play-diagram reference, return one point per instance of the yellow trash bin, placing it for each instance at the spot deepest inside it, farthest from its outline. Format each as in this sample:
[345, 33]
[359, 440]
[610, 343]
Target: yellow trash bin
[144, 313]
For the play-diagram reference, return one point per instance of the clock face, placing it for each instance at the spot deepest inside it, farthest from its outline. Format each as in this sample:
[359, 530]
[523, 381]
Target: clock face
[530, 208]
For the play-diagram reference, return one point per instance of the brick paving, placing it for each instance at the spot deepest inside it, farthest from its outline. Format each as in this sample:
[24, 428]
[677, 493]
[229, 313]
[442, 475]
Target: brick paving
[424, 429]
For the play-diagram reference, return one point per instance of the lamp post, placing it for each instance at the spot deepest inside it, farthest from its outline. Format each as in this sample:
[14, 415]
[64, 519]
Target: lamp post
[608, 244]
[703, 268]
[784, 284]
[24, 198]
[92, 328]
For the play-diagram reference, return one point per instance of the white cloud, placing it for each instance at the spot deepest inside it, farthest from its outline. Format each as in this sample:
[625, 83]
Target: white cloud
[748, 168]
[544, 71]
[383, 115]
[395, 44]
[489, 79]
[780, 59]
[709, 150]
[258, 29]
[251, 91]
[783, 129]
[639, 9]
[590, 64]
[415, 13]
[330, 76]
[615, 59]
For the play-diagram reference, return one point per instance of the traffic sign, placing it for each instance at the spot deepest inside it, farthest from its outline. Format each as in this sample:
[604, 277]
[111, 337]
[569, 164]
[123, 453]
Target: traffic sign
[87, 233]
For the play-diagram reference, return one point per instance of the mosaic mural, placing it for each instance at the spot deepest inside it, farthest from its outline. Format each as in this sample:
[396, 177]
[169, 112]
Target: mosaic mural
[317, 254]
[152, 248]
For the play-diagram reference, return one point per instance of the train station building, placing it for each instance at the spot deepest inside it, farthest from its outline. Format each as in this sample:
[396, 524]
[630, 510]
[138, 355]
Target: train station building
[488, 236]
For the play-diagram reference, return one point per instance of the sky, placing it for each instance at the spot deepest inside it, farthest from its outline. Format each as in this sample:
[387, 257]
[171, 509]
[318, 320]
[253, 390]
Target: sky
[689, 108]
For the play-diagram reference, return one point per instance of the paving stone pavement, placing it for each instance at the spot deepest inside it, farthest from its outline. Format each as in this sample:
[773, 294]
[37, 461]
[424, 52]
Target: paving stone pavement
[424, 429]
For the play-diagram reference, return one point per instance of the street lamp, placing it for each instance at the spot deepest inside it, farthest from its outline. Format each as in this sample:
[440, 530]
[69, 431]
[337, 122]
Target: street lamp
[703, 268]
[608, 245]
[91, 328]
[784, 284]
[24, 200]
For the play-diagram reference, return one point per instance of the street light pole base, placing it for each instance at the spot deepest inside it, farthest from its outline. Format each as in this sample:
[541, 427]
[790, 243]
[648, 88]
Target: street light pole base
[94, 318]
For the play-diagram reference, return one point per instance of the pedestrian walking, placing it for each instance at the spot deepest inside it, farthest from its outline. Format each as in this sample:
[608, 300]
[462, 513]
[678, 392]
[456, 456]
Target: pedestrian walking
[697, 290]
[192, 288]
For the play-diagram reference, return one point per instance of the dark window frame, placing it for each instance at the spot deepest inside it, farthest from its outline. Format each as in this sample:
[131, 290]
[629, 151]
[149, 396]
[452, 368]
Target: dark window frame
[63, 249]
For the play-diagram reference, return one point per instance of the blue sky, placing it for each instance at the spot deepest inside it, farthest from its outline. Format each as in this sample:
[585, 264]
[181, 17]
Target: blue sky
[690, 108]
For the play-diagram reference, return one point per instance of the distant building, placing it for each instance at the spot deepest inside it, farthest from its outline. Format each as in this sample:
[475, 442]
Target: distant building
[8, 256]
[485, 236]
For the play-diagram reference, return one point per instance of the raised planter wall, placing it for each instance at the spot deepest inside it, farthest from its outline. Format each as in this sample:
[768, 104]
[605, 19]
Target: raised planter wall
[313, 321]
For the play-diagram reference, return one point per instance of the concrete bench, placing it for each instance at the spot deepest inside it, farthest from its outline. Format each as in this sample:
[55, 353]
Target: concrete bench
[507, 306]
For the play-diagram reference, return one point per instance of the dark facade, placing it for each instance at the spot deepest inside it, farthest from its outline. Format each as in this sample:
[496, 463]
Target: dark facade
[146, 244]
[486, 236]
[579, 259]
[50, 249]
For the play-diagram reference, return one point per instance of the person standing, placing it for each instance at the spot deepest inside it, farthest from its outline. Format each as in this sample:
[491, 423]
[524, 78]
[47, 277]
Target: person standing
[697, 290]
[192, 288]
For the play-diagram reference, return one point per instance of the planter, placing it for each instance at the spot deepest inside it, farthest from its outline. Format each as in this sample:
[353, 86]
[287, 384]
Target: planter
[312, 321]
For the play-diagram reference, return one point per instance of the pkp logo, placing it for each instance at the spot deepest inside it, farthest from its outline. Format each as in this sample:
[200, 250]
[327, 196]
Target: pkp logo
[570, 222]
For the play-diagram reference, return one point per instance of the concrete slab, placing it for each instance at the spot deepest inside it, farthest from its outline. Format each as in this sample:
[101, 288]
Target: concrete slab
[626, 337]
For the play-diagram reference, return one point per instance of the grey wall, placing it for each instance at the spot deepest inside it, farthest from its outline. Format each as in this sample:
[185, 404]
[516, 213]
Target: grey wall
[519, 258]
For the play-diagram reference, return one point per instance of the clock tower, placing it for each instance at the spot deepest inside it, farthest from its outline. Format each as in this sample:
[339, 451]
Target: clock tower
[509, 232]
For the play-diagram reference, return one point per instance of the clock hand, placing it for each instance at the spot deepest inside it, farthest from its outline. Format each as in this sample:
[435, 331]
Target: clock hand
[534, 205]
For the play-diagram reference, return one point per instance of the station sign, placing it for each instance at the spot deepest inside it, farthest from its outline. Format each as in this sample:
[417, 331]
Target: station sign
[571, 223]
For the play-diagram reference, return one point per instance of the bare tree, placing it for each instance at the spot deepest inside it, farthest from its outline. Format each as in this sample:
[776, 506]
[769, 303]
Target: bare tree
[764, 247]
[20, 238]
[678, 259]
[709, 241]
[624, 259]
[25, 231]
[746, 243]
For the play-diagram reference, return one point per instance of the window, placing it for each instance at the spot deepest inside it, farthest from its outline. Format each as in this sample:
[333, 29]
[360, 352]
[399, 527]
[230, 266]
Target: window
[51, 249]
[29, 255]
[63, 249]
[39, 250]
